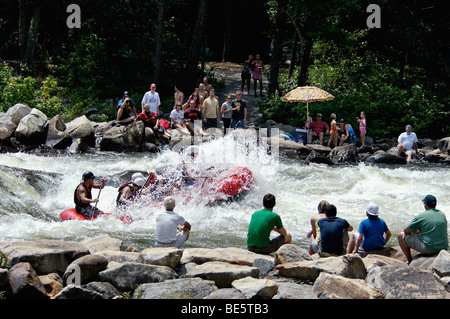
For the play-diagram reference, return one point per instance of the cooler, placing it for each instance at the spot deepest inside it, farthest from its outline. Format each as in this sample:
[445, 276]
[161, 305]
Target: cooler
[301, 136]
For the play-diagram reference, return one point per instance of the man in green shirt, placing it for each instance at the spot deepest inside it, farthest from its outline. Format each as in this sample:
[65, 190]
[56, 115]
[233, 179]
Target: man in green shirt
[262, 224]
[427, 232]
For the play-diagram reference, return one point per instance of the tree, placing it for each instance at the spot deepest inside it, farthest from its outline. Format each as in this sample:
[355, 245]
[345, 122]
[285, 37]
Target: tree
[278, 46]
[159, 42]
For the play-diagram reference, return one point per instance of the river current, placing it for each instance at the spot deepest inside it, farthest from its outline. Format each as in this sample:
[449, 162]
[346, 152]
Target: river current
[30, 205]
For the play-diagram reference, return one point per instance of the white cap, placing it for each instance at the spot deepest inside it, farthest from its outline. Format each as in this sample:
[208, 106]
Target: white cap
[372, 209]
[138, 179]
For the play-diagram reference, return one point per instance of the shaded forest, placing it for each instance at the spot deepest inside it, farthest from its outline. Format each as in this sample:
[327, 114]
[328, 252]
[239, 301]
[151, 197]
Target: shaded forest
[398, 74]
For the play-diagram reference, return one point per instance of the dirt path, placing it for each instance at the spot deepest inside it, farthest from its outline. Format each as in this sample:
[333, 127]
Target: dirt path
[231, 73]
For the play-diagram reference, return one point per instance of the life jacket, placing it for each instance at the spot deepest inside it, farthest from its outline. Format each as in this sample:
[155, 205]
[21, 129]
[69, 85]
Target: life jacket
[121, 188]
[78, 203]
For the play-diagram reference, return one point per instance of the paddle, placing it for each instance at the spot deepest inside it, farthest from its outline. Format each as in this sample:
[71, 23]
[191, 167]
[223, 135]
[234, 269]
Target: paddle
[95, 207]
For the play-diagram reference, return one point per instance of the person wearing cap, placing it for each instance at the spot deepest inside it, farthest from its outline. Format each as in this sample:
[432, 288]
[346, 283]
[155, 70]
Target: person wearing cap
[346, 133]
[370, 235]
[129, 191]
[152, 98]
[427, 232]
[83, 196]
[318, 129]
[124, 108]
[406, 142]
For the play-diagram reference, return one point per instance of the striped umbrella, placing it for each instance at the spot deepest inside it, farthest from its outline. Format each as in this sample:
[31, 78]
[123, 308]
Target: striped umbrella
[307, 94]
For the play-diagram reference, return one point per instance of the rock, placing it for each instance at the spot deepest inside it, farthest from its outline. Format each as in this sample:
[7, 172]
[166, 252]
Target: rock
[87, 267]
[52, 283]
[349, 266]
[256, 288]
[17, 112]
[169, 257]
[290, 290]
[225, 294]
[123, 138]
[45, 256]
[381, 157]
[444, 145]
[7, 129]
[372, 261]
[441, 264]
[264, 266]
[78, 146]
[81, 128]
[4, 277]
[119, 256]
[25, 283]
[128, 276]
[318, 158]
[291, 253]
[230, 255]
[32, 128]
[222, 273]
[344, 154]
[101, 243]
[406, 282]
[93, 290]
[187, 288]
[57, 138]
[329, 286]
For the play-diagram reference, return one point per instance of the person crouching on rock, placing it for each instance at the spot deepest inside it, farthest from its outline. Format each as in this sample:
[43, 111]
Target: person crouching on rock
[130, 191]
[83, 196]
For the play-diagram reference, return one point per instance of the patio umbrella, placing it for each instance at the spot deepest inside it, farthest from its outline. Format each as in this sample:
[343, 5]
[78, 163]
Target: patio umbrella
[307, 94]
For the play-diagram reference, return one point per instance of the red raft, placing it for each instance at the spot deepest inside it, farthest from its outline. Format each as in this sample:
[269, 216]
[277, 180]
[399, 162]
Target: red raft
[71, 214]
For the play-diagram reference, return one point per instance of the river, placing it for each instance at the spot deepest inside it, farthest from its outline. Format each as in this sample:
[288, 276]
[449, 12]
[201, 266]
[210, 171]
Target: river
[30, 207]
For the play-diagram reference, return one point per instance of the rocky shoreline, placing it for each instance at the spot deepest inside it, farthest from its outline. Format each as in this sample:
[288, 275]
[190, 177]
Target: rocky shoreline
[106, 268]
[23, 129]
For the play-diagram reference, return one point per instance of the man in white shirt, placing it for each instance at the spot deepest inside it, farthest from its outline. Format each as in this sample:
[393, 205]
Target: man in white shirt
[406, 142]
[167, 224]
[152, 98]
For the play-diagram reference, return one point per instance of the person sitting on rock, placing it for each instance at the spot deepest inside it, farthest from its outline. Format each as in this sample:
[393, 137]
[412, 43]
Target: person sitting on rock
[427, 232]
[333, 233]
[262, 223]
[370, 235]
[151, 123]
[124, 108]
[318, 130]
[167, 225]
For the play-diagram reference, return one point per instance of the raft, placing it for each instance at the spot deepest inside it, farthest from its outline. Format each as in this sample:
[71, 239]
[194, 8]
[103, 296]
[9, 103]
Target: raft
[71, 214]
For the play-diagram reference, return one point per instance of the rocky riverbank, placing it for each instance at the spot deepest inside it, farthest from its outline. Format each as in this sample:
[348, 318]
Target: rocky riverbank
[106, 268]
[23, 129]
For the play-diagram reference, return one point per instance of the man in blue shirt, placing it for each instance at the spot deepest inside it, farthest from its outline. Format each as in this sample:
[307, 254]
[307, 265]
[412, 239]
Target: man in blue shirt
[332, 230]
[370, 235]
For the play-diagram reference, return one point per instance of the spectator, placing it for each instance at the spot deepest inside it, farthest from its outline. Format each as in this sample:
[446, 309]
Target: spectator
[239, 116]
[427, 232]
[406, 142]
[226, 112]
[191, 115]
[152, 98]
[211, 113]
[246, 73]
[332, 232]
[346, 133]
[177, 119]
[370, 235]
[257, 74]
[318, 129]
[314, 234]
[151, 124]
[208, 87]
[333, 131]
[178, 96]
[262, 223]
[124, 108]
[362, 121]
[167, 225]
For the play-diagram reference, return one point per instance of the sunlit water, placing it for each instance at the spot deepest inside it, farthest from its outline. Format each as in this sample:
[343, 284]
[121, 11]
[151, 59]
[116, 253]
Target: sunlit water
[30, 207]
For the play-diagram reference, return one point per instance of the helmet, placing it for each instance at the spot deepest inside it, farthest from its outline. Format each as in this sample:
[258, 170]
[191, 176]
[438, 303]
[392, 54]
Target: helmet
[138, 179]
[88, 175]
[126, 93]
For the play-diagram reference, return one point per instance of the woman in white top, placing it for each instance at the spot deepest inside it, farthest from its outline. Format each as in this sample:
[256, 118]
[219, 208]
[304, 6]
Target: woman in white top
[226, 112]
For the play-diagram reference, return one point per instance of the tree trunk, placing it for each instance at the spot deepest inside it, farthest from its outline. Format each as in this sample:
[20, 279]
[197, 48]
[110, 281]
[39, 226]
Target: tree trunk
[277, 50]
[159, 43]
[33, 33]
[303, 76]
[294, 55]
[22, 29]
[227, 30]
[196, 45]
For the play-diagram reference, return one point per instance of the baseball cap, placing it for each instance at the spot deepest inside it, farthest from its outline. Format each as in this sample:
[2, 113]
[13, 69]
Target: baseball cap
[372, 209]
[429, 199]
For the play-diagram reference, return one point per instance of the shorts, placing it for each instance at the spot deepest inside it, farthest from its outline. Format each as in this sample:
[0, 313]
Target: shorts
[181, 239]
[274, 245]
[414, 242]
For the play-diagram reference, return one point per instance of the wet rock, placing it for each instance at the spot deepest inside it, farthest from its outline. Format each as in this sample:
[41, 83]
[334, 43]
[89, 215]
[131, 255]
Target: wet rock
[381, 157]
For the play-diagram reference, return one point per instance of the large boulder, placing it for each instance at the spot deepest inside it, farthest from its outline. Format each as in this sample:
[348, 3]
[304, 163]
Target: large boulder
[329, 286]
[169, 257]
[253, 288]
[32, 129]
[230, 255]
[406, 282]
[291, 253]
[25, 283]
[87, 267]
[187, 288]
[57, 136]
[128, 276]
[344, 154]
[82, 128]
[381, 157]
[444, 145]
[123, 138]
[17, 112]
[45, 256]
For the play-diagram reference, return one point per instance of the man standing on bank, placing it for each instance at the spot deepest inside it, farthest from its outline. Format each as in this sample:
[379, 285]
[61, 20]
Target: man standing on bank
[263, 222]
[427, 232]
